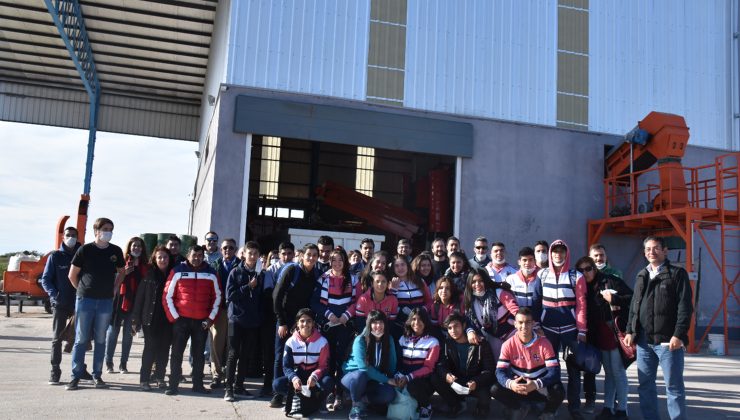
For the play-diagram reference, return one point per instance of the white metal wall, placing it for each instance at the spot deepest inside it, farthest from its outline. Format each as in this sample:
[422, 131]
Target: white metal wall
[483, 58]
[661, 55]
[306, 46]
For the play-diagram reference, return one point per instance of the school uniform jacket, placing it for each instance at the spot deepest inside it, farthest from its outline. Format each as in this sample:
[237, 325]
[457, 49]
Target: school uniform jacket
[419, 356]
[330, 298]
[535, 360]
[305, 358]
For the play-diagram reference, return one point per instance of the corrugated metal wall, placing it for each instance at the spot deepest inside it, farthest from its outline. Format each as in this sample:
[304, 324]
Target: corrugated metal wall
[311, 46]
[665, 56]
[483, 58]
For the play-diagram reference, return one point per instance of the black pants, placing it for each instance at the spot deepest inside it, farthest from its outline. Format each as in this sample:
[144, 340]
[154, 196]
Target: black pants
[243, 345]
[182, 330]
[481, 393]
[59, 321]
[507, 397]
[157, 342]
[267, 346]
[421, 389]
[589, 386]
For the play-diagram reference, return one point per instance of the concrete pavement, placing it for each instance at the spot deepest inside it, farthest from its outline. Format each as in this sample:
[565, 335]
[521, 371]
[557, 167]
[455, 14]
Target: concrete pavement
[712, 382]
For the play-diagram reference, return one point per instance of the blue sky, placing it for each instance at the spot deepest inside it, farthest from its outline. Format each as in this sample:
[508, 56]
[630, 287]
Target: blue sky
[143, 184]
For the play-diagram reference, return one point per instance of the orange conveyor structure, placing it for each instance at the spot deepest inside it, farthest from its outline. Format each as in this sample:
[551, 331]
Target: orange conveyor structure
[642, 198]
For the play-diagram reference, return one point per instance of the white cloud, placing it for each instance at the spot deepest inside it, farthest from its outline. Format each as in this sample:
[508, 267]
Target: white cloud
[143, 184]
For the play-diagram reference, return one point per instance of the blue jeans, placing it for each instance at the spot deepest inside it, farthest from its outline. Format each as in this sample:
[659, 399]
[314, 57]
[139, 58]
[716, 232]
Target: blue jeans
[93, 318]
[111, 338]
[671, 363]
[359, 385]
[615, 380]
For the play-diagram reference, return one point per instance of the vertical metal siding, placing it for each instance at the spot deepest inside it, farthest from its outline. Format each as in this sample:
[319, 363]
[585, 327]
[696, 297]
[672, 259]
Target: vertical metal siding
[665, 56]
[311, 46]
[482, 58]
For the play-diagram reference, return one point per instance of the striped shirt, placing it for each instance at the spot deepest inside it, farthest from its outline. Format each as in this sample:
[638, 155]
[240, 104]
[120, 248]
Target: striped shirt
[304, 358]
[418, 356]
[534, 360]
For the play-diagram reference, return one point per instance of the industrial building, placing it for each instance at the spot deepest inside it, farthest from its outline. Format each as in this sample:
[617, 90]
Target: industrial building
[506, 110]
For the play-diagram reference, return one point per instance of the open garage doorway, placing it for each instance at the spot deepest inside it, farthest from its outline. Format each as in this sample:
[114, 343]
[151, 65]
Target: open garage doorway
[307, 184]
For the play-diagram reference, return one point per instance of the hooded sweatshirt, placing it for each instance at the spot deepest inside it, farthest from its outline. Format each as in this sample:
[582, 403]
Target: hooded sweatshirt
[565, 294]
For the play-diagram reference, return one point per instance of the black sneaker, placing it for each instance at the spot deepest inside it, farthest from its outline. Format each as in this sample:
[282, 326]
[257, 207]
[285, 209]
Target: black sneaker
[276, 401]
[171, 391]
[54, 378]
[86, 376]
[122, 368]
[73, 385]
[109, 367]
[215, 383]
[239, 390]
[229, 395]
[146, 387]
[589, 407]
[201, 389]
[100, 383]
[161, 384]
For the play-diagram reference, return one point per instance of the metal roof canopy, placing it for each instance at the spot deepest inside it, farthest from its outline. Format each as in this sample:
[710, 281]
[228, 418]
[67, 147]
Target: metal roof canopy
[151, 57]
[353, 126]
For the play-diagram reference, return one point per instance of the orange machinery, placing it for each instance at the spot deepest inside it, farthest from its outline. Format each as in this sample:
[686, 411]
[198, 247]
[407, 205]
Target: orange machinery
[672, 201]
[24, 283]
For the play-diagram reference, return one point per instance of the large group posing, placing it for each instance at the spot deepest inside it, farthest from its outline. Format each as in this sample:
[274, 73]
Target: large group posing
[324, 327]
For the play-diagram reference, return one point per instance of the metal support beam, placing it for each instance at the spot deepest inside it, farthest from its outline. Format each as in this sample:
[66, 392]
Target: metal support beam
[67, 17]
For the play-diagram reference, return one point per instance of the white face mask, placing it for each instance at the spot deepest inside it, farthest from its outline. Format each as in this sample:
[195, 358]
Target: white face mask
[502, 261]
[376, 334]
[600, 266]
[479, 294]
[527, 271]
[70, 242]
[541, 257]
[136, 254]
[560, 264]
[105, 236]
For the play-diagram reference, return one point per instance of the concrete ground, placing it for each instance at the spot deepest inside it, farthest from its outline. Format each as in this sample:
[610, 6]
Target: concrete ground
[712, 382]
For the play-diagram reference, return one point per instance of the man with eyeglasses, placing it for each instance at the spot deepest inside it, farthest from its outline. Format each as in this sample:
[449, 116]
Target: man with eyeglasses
[481, 258]
[213, 253]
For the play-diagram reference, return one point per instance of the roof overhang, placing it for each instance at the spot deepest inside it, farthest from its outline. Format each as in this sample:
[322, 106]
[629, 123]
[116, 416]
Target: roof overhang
[151, 58]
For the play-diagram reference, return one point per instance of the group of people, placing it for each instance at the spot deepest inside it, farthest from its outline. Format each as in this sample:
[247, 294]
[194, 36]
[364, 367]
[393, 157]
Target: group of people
[323, 330]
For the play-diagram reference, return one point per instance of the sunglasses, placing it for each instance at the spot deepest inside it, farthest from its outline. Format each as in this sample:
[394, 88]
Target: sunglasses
[586, 269]
[481, 247]
[229, 248]
[212, 239]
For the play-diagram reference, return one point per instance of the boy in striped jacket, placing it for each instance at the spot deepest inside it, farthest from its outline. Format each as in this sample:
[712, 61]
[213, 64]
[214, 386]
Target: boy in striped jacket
[305, 362]
[528, 371]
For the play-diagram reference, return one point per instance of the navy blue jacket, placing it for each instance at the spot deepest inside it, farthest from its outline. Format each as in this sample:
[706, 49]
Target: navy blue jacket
[223, 273]
[55, 279]
[244, 303]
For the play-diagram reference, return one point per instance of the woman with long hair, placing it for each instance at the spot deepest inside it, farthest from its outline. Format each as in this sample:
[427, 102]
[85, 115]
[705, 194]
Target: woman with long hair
[607, 298]
[410, 291]
[334, 303]
[419, 354]
[379, 262]
[490, 308]
[149, 315]
[368, 372]
[376, 299]
[123, 304]
[423, 269]
[446, 301]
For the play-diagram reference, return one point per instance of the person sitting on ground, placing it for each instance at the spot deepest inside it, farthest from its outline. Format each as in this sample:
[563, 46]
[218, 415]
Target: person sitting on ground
[419, 355]
[304, 382]
[368, 372]
[528, 371]
[468, 365]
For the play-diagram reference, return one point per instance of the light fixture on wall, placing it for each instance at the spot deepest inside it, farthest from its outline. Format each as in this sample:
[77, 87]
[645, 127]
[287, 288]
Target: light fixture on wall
[197, 154]
[211, 100]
